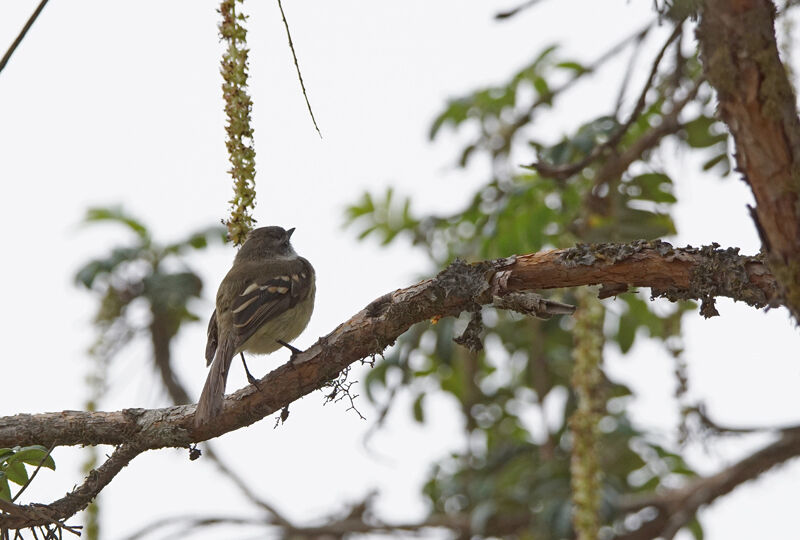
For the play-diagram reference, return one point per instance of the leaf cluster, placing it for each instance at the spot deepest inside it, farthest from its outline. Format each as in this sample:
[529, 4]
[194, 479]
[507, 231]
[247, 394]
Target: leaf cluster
[515, 396]
[13, 462]
[143, 272]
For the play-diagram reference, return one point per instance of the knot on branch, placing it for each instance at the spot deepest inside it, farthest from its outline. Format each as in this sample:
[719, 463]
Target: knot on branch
[463, 279]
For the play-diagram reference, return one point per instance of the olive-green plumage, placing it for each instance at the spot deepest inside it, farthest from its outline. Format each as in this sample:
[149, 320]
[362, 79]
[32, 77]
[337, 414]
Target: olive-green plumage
[266, 297]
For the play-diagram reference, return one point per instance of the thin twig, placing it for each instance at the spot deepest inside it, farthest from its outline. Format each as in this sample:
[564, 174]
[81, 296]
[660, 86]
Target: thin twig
[669, 124]
[562, 172]
[277, 517]
[35, 472]
[707, 422]
[34, 513]
[297, 67]
[513, 11]
[30, 515]
[193, 522]
[627, 77]
[22, 33]
[527, 116]
[637, 36]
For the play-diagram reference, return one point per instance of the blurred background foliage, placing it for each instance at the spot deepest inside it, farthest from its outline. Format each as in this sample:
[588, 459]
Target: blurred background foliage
[143, 290]
[514, 477]
[147, 275]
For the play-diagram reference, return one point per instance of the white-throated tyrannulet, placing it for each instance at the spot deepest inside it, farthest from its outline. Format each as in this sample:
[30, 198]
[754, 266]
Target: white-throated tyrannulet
[264, 301]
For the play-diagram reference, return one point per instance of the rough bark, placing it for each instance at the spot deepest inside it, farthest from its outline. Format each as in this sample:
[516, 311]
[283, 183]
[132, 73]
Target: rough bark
[756, 101]
[676, 273]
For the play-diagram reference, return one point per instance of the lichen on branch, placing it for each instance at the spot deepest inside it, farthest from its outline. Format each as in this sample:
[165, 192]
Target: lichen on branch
[460, 287]
[240, 133]
[741, 60]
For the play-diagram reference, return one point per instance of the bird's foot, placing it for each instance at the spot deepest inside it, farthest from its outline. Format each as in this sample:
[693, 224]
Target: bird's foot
[252, 380]
[295, 350]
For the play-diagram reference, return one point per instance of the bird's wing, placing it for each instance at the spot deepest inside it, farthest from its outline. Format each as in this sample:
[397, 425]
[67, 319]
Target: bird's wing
[286, 283]
[211, 344]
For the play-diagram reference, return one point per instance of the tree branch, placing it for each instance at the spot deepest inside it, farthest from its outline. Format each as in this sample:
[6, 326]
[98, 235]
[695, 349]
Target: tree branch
[756, 101]
[678, 507]
[674, 273]
[30, 515]
[616, 165]
[675, 507]
[562, 172]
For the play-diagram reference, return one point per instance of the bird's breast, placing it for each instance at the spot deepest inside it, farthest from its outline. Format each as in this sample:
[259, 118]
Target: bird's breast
[286, 327]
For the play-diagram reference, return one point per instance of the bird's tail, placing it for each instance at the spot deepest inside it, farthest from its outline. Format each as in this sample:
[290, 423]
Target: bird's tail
[210, 403]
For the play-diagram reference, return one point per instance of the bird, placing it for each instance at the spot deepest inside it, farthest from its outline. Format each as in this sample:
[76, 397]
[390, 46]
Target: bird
[263, 303]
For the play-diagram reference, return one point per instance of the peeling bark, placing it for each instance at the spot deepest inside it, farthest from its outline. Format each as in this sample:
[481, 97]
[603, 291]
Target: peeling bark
[756, 101]
[676, 273]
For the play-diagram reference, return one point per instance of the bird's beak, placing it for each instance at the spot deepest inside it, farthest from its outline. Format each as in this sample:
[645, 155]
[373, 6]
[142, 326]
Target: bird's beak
[289, 233]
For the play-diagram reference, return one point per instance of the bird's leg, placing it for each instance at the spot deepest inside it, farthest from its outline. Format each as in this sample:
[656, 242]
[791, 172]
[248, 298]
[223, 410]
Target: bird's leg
[252, 380]
[295, 350]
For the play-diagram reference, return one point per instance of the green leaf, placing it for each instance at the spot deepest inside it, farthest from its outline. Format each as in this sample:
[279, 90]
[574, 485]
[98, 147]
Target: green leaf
[87, 275]
[577, 67]
[5, 453]
[719, 159]
[16, 472]
[633, 224]
[33, 455]
[544, 55]
[542, 88]
[456, 113]
[468, 150]
[198, 240]
[118, 215]
[696, 529]
[376, 377]
[627, 332]
[656, 187]
[5, 490]
[419, 413]
[700, 132]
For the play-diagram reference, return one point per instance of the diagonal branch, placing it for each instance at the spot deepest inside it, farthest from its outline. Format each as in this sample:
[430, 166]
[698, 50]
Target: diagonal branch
[514, 11]
[670, 123]
[30, 515]
[677, 507]
[524, 117]
[562, 172]
[675, 273]
[297, 68]
[21, 36]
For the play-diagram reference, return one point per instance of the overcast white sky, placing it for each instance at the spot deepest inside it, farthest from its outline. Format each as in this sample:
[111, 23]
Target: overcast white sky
[119, 103]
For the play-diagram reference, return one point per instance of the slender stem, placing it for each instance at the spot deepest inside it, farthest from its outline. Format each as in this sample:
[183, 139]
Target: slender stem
[297, 67]
[35, 472]
[22, 33]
